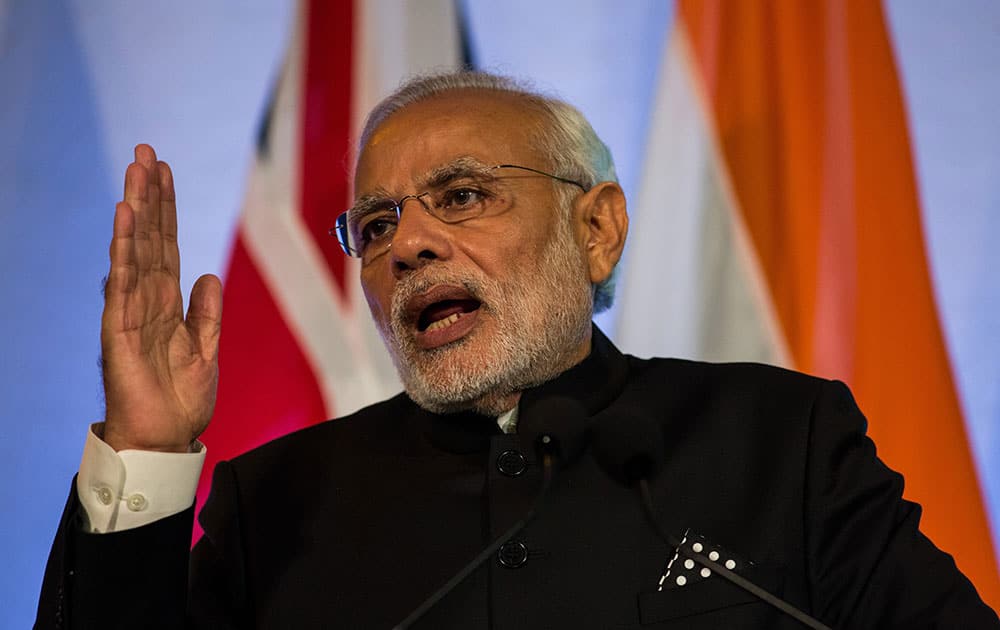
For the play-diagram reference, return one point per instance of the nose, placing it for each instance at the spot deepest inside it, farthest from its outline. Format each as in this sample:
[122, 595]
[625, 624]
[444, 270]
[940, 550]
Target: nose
[419, 239]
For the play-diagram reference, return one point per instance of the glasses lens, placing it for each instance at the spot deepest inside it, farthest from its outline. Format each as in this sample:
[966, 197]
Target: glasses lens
[366, 232]
[343, 234]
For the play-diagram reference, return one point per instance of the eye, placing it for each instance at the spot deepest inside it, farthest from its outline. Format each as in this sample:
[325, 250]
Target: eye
[461, 199]
[376, 227]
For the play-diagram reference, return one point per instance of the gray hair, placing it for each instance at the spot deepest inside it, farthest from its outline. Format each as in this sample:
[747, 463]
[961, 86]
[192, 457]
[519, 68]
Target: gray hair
[568, 140]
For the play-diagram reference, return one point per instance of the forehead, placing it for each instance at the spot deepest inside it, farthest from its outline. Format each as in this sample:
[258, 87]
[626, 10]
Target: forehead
[493, 127]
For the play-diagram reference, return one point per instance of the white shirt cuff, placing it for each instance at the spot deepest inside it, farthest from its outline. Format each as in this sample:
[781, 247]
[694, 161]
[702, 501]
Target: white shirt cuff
[130, 488]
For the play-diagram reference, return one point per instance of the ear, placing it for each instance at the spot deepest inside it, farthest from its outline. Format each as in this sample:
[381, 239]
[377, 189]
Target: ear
[602, 224]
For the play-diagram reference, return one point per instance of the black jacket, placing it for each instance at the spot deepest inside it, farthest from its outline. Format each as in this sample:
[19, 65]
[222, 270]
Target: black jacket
[352, 523]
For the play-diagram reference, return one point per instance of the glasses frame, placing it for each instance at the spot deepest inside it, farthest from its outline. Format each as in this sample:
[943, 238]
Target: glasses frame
[340, 227]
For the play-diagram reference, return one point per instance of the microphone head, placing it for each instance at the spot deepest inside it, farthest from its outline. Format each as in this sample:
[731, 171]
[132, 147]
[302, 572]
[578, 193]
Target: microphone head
[557, 426]
[628, 446]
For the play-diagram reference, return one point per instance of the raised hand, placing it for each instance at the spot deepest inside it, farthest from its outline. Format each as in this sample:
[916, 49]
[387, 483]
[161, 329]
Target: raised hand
[161, 369]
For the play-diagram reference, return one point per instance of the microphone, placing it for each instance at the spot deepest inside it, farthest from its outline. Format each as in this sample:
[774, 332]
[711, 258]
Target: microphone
[557, 427]
[629, 447]
[559, 432]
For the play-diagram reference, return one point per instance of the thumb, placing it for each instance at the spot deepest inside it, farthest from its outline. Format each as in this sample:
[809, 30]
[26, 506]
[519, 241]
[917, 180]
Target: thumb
[204, 316]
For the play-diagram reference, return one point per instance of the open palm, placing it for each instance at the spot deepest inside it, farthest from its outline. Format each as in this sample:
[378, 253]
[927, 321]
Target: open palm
[160, 368]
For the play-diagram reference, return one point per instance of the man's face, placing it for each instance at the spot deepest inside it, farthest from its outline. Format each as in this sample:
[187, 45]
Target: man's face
[474, 312]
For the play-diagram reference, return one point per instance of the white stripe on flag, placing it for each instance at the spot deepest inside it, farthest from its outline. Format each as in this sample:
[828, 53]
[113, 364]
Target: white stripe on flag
[397, 39]
[692, 285]
[394, 40]
[351, 370]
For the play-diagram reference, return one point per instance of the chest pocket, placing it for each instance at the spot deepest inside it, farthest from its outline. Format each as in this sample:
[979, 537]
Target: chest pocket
[713, 595]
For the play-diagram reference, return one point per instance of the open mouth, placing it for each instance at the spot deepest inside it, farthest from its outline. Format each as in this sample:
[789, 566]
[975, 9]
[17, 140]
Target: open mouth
[441, 315]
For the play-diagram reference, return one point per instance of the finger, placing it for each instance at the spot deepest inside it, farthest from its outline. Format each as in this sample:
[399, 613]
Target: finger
[146, 156]
[168, 220]
[142, 191]
[138, 188]
[123, 275]
[204, 317]
[136, 197]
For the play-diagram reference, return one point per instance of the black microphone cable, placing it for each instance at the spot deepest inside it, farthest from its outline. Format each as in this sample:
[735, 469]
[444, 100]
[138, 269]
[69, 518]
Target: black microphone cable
[485, 554]
[560, 436]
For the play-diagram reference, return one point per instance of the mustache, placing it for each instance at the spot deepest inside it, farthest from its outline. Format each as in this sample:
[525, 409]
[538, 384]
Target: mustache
[424, 280]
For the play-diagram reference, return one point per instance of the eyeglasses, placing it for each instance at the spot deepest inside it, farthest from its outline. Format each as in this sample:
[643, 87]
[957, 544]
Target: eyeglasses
[366, 230]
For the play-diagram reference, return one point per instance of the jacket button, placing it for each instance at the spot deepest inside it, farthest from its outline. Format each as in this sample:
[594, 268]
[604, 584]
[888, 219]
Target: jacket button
[513, 554]
[511, 463]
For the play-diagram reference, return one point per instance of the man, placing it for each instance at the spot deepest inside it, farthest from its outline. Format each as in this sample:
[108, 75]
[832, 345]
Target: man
[488, 224]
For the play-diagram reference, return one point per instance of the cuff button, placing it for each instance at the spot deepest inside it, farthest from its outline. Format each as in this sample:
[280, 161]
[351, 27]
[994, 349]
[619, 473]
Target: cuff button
[104, 495]
[136, 502]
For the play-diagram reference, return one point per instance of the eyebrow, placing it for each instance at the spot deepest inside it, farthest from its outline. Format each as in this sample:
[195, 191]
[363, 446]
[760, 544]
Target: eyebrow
[465, 166]
[367, 204]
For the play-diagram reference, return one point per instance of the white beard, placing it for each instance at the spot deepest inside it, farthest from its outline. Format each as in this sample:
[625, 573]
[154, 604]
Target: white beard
[540, 323]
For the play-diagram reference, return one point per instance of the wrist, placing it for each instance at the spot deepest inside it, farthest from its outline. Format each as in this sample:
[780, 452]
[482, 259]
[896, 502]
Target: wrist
[121, 443]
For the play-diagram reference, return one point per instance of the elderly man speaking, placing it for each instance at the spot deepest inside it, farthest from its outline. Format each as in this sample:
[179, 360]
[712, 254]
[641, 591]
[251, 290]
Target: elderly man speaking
[500, 490]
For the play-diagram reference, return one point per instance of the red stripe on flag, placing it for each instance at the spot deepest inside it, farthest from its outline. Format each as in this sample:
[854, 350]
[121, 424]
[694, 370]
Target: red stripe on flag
[326, 125]
[266, 385]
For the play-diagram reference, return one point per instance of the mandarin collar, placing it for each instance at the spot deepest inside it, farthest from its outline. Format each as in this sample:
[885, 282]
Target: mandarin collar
[595, 382]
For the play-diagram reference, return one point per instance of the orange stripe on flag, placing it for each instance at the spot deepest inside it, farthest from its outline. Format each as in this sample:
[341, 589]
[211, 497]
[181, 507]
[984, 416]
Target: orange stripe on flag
[808, 112]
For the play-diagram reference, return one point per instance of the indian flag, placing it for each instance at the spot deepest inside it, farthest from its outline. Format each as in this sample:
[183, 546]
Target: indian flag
[778, 220]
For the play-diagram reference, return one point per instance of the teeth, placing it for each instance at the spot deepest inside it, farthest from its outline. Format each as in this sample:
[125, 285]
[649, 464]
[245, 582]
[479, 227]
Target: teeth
[443, 323]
